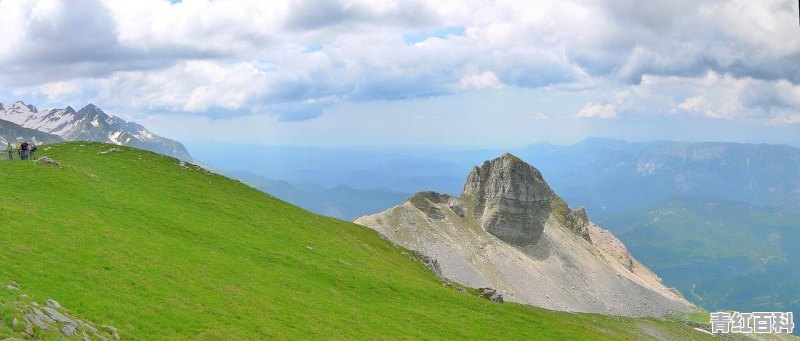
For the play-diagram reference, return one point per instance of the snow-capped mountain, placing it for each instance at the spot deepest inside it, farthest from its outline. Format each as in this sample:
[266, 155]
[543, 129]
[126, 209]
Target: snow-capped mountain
[90, 124]
[12, 132]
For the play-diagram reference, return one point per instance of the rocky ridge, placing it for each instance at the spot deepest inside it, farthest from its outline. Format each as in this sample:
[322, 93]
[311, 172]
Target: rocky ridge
[510, 232]
[25, 319]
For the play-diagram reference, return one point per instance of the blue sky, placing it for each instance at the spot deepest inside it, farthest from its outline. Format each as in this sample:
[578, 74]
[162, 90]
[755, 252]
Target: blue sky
[472, 73]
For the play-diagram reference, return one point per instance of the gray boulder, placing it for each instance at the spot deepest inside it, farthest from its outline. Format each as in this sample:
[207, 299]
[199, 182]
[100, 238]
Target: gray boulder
[69, 330]
[49, 161]
[52, 304]
[492, 295]
[55, 315]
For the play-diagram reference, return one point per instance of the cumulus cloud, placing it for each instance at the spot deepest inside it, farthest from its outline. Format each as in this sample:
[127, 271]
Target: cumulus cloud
[540, 116]
[595, 110]
[713, 96]
[316, 14]
[191, 86]
[726, 60]
[484, 80]
[608, 110]
[59, 90]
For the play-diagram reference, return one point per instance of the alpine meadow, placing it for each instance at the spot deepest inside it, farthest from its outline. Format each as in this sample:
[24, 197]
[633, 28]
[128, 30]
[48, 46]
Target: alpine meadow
[165, 250]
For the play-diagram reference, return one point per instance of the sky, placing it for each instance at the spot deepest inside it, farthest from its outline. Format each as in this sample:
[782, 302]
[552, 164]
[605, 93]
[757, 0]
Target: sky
[462, 73]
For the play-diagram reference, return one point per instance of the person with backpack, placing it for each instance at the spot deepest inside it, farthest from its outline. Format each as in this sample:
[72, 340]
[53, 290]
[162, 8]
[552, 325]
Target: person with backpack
[31, 150]
[19, 150]
[24, 148]
[10, 151]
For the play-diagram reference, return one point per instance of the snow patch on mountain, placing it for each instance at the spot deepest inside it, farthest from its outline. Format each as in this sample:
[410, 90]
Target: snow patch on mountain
[90, 123]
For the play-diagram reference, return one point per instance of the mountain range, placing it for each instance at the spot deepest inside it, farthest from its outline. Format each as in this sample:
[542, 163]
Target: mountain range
[609, 176]
[603, 175]
[90, 123]
[341, 202]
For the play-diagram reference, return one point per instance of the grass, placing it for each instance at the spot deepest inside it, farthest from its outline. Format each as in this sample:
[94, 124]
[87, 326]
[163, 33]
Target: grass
[170, 252]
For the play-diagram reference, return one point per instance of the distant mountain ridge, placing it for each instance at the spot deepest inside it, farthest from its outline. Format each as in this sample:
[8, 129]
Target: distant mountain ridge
[340, 202]
[90, 123]
[604, 174]
[11, 133]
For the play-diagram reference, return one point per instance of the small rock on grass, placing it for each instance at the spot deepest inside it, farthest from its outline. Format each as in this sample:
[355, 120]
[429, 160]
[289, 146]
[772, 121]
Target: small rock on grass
[52, 304]
[69, 330]
[49, 161]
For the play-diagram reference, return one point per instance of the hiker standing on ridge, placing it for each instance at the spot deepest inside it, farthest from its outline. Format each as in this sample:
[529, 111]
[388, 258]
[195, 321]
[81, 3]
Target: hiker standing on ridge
[24, 149]
[19, 149]
[31, 150]
[10, 151]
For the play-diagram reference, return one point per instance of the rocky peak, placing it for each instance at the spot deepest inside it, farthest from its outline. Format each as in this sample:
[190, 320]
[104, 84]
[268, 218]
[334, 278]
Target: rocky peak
[20, 105]
[509, 198]
[91, 109]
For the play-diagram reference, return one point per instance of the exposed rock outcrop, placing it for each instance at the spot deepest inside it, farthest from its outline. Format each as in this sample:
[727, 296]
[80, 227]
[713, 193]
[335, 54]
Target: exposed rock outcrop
[578, 222]
[510, 232]
[31, 321]
[492, 295]
[509, 198]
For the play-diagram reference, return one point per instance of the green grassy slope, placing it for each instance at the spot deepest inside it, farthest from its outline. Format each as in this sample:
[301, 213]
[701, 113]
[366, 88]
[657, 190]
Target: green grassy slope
[161, 251]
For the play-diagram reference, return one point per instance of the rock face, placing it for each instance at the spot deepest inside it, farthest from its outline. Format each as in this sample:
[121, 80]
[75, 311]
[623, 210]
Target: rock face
[508, 231]
[510, 199]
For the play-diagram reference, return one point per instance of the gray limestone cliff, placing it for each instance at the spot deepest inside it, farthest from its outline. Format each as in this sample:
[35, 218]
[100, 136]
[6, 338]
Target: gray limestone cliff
[509, 198]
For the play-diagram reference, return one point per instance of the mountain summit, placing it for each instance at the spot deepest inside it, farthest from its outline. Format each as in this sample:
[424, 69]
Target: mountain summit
[509, 198]
[90, 123]
[509, 231]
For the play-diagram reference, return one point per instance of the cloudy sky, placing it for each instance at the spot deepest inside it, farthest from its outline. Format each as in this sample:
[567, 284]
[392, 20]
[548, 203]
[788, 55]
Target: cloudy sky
[461, 72]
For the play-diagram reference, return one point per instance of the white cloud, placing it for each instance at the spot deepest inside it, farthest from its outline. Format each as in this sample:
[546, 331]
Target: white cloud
[192, 86]
[540, 116]
[484, 80]
[57, 91]
[726, 60]
[785, 119]
[696, 103]
[594, 110]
